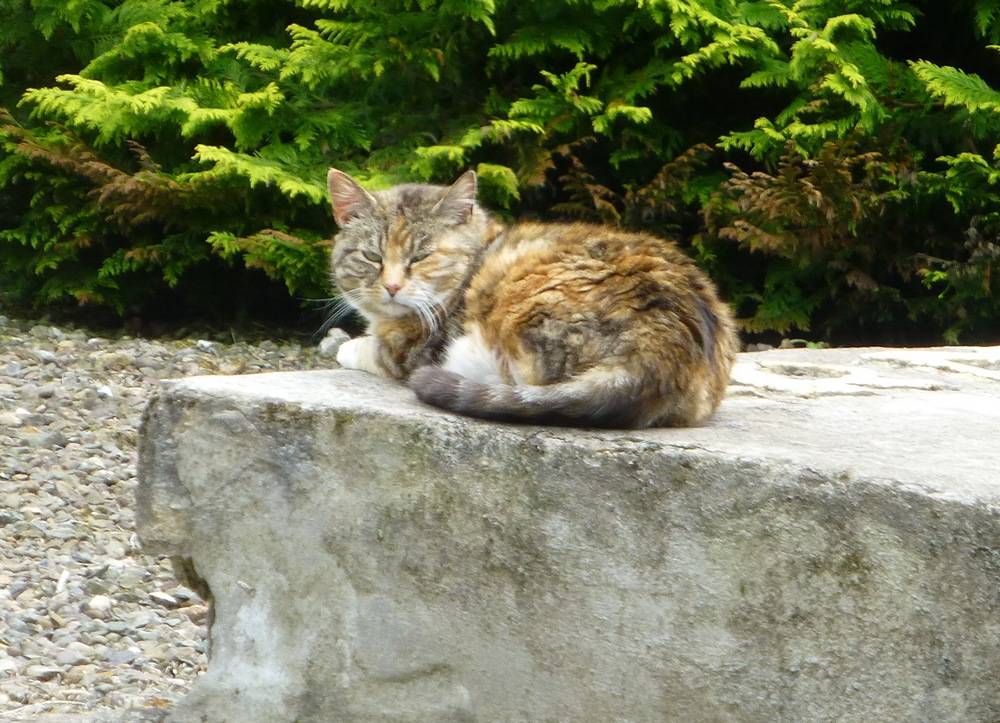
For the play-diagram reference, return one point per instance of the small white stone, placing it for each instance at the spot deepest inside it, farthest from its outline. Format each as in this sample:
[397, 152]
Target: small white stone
[104, 392]
[99, 607]
[8, 667]
[41, 672]
[162, 598]
[81, 648]
[71, 657]
[8, 419]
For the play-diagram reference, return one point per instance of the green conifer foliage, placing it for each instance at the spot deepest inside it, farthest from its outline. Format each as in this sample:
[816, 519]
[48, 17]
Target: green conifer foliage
[833, 163]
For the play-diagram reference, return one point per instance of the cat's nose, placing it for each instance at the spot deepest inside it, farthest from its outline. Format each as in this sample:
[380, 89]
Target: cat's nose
[392, 289]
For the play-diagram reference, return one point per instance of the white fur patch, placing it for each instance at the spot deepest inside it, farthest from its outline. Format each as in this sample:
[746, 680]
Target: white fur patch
[360, 353]
[470, 357]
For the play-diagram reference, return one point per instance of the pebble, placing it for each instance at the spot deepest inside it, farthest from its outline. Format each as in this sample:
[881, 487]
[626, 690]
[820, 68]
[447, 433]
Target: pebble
[8, 667]
[77, 594]
[333, 340]
[42, 672]
[53, 439]
[78, 673]
[9, 419]
[162, 598]
[122, 657]
[99, 607]
[197, 613]
[71, 657]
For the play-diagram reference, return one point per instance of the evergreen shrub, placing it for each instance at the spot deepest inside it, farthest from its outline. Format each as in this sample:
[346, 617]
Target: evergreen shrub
[833, 163]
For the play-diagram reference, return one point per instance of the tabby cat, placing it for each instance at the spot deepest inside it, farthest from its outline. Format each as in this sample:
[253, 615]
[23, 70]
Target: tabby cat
[572, 324]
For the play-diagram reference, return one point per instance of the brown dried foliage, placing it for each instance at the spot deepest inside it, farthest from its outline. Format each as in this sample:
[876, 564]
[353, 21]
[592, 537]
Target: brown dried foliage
[810, 208]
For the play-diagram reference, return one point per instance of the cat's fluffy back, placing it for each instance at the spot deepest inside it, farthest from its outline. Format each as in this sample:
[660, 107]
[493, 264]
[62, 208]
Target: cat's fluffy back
[627, 315]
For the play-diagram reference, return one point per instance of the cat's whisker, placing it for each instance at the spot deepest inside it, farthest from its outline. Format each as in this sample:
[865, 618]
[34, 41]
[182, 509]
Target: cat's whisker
[426, 321]
[340, 307]
[418, 307]
[427, 312]
[340, 304]
[336, 313]
[413, 304]
[440, 314]
[319, 300]
[416, 311]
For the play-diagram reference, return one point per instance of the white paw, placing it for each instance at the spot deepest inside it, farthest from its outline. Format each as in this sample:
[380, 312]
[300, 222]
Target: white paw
[360, 353]
[349, 353]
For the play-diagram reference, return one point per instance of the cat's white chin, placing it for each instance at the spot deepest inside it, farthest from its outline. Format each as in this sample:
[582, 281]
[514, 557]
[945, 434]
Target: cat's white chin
[395, 309]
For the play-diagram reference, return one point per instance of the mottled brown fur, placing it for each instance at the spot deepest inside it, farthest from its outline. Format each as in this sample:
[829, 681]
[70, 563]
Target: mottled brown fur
[582, 324]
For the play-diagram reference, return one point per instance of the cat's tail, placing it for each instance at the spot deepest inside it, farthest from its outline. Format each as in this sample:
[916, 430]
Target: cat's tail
[596, 398]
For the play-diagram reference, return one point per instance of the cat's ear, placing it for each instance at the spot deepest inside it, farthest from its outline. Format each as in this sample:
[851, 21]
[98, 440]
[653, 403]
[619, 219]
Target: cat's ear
[459, 198]
[349, 200]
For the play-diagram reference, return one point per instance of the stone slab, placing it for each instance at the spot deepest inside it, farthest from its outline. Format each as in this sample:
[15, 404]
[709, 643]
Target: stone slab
[827, 548]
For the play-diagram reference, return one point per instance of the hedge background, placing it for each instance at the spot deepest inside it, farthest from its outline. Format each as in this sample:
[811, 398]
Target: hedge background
[834, 164]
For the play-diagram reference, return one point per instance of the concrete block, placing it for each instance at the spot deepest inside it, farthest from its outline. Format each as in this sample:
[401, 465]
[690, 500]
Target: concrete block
[827, 548]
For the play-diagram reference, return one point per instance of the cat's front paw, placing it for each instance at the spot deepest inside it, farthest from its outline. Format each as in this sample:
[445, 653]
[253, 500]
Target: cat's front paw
[360, 354]
[349, 353]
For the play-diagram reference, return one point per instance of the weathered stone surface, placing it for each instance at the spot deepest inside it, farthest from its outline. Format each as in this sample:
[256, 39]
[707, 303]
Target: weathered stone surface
[828, 548]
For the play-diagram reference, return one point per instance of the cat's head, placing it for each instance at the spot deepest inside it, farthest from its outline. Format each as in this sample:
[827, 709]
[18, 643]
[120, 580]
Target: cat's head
[405, 250]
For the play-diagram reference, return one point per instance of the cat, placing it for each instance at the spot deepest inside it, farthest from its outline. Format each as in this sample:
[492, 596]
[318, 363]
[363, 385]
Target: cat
[572, 324]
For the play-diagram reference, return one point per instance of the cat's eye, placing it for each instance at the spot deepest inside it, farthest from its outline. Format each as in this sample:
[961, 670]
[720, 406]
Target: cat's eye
[417, 258]
[374, 258]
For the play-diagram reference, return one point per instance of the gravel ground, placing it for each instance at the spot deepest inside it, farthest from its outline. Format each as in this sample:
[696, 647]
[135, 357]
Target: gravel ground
[89, 623]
